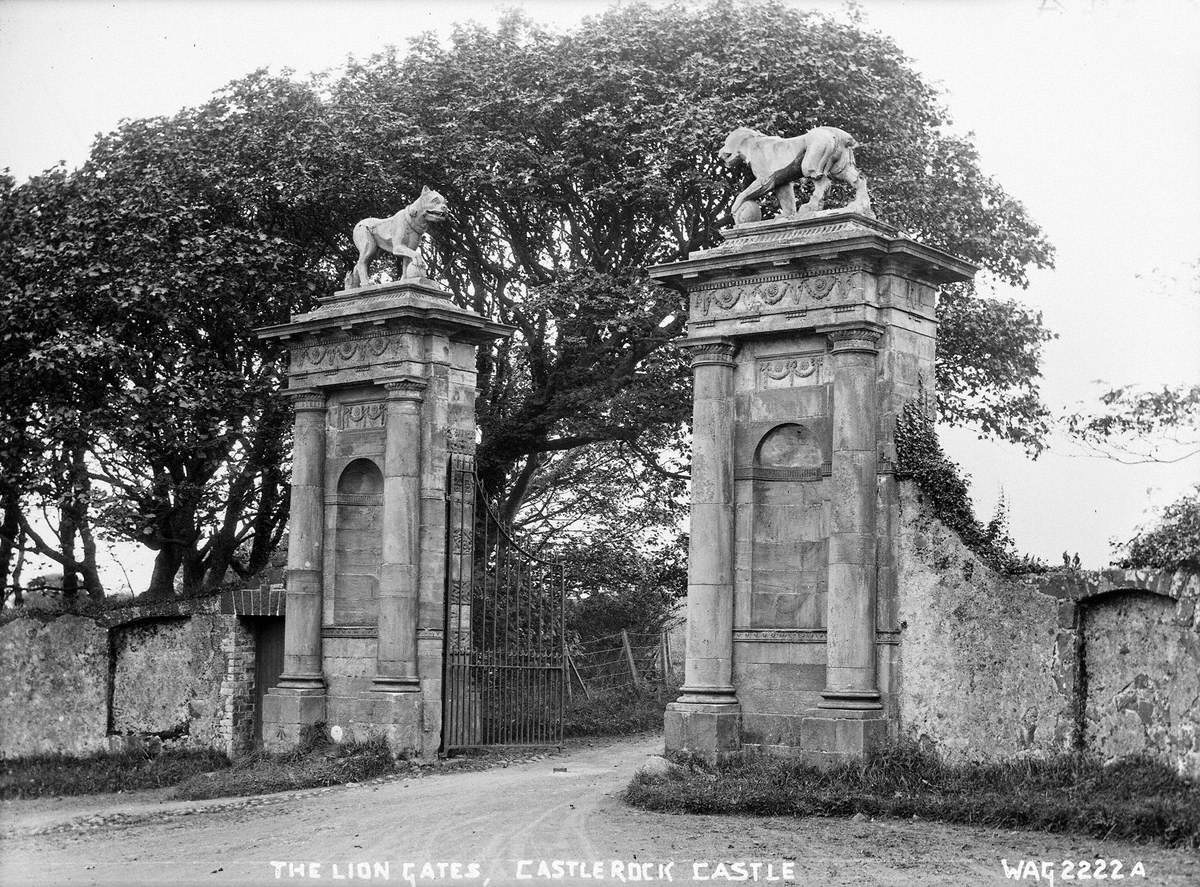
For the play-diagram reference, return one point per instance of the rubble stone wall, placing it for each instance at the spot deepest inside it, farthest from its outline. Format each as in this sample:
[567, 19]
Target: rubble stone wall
[54, 696]
[994, 665]
[78, 684]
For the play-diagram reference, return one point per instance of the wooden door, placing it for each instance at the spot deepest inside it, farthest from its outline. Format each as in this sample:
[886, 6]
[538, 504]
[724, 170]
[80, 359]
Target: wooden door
[268, 665]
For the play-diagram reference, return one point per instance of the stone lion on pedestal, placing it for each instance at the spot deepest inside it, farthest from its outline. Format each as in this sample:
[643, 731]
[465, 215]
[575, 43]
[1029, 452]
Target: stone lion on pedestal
[399, 235]
[824, 154]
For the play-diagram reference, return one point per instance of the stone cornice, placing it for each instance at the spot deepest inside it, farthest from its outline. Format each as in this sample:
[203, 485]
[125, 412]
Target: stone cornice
[839, 237]
[383, 309]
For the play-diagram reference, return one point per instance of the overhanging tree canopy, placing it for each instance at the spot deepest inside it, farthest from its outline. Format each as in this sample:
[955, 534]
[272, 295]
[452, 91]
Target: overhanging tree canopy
[570, 160]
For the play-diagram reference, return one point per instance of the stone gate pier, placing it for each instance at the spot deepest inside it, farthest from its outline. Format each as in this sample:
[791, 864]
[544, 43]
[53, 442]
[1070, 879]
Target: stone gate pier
[807, 337]
[383, 382]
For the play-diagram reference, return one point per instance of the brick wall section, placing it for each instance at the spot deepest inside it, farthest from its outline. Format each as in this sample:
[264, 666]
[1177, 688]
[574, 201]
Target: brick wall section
[235, 727]
[993, 666]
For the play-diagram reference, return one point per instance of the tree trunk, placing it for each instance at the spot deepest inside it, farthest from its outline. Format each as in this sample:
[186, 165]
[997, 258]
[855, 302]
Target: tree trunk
[223, 545]
[166, 565]
[91, 573]
[18, 593]
[193, 569]
[81, 490]
[272, 513]
[10, 530]
[67, 532]
[520, 488]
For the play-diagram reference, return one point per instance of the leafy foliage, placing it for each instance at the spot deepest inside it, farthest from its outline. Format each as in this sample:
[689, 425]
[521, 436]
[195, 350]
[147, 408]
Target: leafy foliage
[1137, 425]
[1173, 543]
[129, 289]
[612, 520]
[988, 366]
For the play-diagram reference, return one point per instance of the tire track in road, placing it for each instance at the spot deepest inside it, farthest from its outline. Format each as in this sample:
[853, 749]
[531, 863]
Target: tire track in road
[525, 811]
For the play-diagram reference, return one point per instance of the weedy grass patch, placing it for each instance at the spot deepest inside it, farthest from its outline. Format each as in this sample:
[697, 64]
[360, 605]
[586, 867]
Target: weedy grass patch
[1137, 800]
[617, 712]
[39, 776]
[313, 764]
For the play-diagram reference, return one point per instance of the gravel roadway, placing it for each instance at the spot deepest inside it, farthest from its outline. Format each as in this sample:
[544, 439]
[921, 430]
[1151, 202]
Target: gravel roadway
[553, 819]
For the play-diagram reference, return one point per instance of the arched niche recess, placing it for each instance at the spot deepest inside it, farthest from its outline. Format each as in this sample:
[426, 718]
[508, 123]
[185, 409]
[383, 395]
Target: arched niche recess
[789, 447]
[358, 545]
[788, 530]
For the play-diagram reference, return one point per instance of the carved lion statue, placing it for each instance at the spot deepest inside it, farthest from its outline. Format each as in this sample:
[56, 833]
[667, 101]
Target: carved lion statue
[399, 235]
[824, 154]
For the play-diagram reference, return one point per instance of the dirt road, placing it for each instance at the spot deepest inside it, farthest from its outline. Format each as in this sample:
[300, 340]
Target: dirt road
[555, 820]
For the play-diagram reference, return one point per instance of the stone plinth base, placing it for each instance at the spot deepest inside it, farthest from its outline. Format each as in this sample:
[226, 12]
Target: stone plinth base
[286, 712]
[395, 716]
[710, 732]
[833, 737]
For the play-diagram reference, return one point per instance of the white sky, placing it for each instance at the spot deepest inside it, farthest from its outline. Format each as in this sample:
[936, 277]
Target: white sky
[1088, 112]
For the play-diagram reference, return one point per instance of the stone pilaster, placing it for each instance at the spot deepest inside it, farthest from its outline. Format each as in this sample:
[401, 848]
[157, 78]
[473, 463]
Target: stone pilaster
[708, 676]
[704, 719]
[850, 672]
[396, 662]
[302, 637]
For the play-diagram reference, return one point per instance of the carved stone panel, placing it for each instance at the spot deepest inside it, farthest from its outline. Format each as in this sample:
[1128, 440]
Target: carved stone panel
[362, 416]
[812, 289]
[350, 351]
[789, 370]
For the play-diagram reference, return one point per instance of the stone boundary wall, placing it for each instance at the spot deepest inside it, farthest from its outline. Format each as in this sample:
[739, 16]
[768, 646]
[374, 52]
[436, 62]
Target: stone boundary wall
[178, 673]
[994, 666]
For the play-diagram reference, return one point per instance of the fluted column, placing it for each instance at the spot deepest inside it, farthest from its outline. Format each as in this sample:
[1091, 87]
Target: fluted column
[302, 627]
[708, 672]
[850, 681]
[396, 659]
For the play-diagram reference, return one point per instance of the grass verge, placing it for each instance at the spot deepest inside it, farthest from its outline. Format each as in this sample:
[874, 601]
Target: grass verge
[39, 776]
[313, 765]
[1136, 800]
[617, 712]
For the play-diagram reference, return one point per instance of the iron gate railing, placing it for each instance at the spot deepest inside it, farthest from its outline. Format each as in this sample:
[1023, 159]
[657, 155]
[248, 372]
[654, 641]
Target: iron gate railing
[505, 655]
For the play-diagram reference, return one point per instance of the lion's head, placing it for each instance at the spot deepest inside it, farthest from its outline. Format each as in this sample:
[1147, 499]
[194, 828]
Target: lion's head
[429, 207]
[733, 152]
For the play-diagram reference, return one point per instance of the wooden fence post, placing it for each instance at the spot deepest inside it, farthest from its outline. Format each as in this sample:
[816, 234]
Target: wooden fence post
[633, 672]
[587, 694]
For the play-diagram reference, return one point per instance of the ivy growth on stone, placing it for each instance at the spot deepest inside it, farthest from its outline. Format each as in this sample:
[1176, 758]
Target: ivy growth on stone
[920, 458]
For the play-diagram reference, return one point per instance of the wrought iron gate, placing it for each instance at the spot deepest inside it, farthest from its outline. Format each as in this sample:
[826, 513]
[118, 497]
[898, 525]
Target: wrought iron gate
[505, 655]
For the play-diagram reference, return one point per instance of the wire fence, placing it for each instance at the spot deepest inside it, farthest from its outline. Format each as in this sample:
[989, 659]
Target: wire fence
[623, 660]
